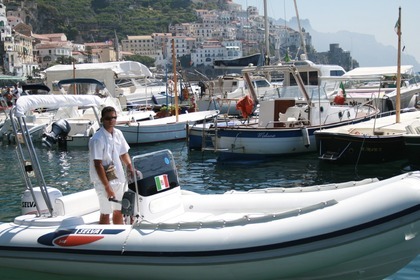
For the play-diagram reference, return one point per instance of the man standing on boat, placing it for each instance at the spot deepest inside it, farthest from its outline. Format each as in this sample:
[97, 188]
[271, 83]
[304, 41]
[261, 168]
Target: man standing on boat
[108, 151]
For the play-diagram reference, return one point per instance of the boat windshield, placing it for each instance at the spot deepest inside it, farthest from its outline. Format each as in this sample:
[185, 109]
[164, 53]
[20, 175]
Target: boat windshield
[158, 171]
[294, 92]
[261, 83]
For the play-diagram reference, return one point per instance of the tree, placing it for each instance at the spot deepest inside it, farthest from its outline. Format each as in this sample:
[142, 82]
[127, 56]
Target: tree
[146, 60]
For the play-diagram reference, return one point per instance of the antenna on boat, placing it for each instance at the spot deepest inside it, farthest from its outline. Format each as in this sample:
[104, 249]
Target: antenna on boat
[398, 101]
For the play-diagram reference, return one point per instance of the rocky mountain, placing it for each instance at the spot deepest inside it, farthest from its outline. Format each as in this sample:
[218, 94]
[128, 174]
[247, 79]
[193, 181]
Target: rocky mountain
[363, 48]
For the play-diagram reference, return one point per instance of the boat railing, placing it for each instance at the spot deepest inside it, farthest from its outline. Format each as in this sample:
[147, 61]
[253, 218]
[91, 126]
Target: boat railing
[239, 220]
[28, 161]
[26, 153]
[364, 110]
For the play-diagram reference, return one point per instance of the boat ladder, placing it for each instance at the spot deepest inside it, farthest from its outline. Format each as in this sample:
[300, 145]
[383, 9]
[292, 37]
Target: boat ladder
[333, 156]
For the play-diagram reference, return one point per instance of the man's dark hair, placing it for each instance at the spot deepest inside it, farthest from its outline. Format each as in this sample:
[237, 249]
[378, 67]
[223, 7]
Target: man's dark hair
[107, 110]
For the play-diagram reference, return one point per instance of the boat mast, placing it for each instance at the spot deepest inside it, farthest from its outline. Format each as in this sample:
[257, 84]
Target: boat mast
[300, 31]
[175, 79]
[398, 101]
[267, 33]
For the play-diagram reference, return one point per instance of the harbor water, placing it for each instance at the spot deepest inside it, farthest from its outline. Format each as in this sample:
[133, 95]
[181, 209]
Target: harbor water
[199, 172]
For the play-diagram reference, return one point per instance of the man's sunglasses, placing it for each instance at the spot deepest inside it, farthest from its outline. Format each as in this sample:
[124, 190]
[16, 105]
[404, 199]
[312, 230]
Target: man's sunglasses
[110, 118]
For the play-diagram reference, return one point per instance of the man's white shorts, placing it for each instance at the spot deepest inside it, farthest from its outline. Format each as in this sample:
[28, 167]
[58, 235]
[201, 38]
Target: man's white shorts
[106, 206]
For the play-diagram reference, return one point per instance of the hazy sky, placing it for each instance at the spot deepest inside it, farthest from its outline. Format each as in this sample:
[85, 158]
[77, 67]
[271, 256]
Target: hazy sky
[374, 17]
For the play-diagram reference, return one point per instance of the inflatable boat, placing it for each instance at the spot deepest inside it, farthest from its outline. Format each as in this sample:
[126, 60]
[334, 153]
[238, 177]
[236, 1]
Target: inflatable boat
[364, 229]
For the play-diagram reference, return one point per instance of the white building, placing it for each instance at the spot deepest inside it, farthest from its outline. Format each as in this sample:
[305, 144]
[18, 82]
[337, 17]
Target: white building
[207, 52]
[49, 53]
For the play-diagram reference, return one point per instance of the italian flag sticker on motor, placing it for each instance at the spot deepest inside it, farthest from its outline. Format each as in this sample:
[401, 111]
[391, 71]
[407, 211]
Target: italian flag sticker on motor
[162, 182]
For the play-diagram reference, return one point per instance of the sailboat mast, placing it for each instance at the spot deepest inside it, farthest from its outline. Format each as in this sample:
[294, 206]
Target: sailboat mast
[398, 101]
[175, 79]
[267, 38]
[300, 31]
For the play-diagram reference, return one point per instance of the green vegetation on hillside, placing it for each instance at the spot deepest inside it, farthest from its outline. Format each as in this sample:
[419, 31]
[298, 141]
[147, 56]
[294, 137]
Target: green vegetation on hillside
[96, 20]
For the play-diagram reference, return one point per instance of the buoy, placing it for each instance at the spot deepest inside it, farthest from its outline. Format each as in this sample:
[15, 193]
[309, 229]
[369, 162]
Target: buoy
[305, 136]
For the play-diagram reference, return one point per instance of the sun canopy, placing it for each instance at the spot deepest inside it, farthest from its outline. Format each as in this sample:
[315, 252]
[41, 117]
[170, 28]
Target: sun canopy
[31, 102]
[6, 80]
[122, 69]
[361, 72]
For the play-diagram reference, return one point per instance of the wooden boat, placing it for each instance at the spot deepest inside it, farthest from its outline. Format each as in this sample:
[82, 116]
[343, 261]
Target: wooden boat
[223, 93]
[287, 119]
[375, 141]
[312, 75]
[276, 233]
[412, 144]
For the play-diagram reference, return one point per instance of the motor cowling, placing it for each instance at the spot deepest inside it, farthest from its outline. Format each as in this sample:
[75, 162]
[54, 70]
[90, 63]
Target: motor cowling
[59, 131]
[28, 202]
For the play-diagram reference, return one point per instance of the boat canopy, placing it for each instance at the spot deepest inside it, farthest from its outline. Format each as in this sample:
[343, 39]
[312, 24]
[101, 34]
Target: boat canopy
[106, 72]
[361, 72]
[6, 80]
[31, 102]
[122, 69]
[80, 81]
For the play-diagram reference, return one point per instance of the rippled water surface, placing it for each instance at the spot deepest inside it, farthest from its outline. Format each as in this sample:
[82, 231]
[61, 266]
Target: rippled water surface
[199, 172]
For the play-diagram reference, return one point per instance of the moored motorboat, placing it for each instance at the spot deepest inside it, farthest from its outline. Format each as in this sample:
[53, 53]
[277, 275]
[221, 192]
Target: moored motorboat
[275, 233]
[379, 85]
[74, 125]
[378, 140]
[163, 129]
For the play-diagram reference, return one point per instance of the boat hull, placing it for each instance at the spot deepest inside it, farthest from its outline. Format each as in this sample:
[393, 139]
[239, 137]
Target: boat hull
[163, 129]
[375, 141]
[322, 241]
[251, 142]
[392, 250]
[360, 148]
[412, 149]
[238, 62]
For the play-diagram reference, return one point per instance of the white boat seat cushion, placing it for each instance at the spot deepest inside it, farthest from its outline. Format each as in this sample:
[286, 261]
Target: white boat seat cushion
[77, 204]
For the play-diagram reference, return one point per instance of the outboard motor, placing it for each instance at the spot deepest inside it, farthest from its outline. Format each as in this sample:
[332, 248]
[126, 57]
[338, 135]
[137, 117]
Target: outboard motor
[59, 131]
[28, 199]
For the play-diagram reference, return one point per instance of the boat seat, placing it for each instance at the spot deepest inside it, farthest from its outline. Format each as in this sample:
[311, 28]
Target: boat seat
[80, 127]
[292, 117]
[77, 204]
